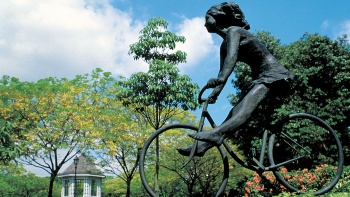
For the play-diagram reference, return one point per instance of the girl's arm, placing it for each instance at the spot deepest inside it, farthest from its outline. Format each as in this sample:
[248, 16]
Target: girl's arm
[233, 39]
[229, 63]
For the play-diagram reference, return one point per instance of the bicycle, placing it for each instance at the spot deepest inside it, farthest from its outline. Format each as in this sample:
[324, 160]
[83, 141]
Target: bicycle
[297, 161]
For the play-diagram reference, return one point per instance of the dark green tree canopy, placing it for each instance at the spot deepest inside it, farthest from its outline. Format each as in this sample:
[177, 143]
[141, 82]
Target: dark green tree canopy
[322, 80]
[322, 68]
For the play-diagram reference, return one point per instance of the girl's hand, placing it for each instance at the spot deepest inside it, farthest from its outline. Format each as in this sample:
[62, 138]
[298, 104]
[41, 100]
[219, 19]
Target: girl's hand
[212, 98]
[213, 82]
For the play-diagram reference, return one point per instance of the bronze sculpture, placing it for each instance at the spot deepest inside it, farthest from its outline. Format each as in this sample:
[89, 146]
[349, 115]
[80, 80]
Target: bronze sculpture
[270, 78]
[288, 152]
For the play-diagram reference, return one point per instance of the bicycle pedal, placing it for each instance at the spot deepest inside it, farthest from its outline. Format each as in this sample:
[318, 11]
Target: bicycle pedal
[252, 152]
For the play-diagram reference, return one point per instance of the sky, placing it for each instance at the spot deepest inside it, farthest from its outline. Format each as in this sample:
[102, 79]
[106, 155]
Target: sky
[65, 38]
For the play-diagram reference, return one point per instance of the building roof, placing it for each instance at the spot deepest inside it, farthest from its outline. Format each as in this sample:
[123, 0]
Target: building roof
[85, 166]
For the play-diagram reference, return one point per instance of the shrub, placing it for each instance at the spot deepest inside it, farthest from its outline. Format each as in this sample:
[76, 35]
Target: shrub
[267, 185]
[344, 183]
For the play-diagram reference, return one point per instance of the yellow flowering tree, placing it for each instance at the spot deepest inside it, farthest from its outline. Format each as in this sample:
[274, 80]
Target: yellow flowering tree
[53, 119]
[122, 138]
[123, 135]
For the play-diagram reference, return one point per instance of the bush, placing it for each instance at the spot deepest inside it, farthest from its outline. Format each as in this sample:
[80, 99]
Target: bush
[344, 183]
[267, 185]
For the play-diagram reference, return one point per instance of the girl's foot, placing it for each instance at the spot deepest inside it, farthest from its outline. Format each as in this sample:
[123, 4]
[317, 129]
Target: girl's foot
[213, 137]
[201, 149]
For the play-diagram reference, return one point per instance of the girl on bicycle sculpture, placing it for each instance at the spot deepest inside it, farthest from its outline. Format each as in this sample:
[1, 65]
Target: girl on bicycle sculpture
[270, 78]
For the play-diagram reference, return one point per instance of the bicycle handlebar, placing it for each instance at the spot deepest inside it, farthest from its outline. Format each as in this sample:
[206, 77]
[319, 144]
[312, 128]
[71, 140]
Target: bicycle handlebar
[200, 99]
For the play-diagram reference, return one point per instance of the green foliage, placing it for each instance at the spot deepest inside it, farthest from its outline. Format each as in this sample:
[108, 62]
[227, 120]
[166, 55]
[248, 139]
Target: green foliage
[158, 94]
[344, 183]
[16, 181]
[26, 185]
[8, 149]
[330, 194]
[112, 186]
[54, 116]
[162, 92]
[55, 113]
[156, 43]
[267, 186]
[199, 178]
[120, 143]
[238, 174]
[321, 67]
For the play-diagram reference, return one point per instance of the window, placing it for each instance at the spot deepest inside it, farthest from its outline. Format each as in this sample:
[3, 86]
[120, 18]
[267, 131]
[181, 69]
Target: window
[93, 187]
[66, 187]
[80, 188]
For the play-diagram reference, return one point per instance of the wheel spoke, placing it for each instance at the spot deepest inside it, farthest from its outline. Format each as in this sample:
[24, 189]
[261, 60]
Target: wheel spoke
[202, 176]
[315, 151]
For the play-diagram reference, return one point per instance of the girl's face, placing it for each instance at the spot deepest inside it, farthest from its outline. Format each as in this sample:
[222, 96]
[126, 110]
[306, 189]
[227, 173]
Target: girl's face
[210, 24]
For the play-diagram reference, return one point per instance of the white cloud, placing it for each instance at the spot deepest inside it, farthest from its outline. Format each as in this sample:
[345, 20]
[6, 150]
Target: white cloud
[344, 29]
[199, 43]
[325, 24]
[42, 38]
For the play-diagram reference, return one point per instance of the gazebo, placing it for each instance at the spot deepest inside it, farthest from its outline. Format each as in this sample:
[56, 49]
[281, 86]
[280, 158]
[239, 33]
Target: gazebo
[85, 175]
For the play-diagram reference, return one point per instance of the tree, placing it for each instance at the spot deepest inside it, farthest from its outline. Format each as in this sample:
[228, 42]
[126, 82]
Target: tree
[322, 68]
[120, 143]
[15, 180]
[156, 43]
[119, 132]
[54, 118]
[157, 94]
[8, 149]
[321, 86]
[112, 186]
[202, 177]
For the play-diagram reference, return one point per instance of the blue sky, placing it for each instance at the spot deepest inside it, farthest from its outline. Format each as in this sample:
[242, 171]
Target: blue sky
[287, 20]
[43, 38]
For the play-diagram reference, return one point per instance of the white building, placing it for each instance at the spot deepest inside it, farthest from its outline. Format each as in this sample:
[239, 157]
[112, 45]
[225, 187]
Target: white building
[88, 179]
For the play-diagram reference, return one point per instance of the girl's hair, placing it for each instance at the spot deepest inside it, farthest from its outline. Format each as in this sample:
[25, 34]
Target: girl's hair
[228, 14]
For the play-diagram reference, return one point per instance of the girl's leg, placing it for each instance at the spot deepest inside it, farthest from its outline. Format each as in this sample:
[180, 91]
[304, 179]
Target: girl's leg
[237, 116]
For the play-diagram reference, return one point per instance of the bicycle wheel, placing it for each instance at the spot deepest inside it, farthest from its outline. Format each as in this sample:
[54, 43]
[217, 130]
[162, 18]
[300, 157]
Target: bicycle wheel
[312, 153]
[204, 176]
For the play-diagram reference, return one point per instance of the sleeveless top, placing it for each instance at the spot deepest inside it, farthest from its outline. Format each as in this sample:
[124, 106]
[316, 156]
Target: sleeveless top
[266, 69]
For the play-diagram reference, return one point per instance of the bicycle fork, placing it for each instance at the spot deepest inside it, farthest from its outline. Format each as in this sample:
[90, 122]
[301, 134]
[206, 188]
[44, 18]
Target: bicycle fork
[205, 115]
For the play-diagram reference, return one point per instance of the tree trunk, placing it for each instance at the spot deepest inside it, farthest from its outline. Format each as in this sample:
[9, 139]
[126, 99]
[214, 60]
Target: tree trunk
[128, 185]
[52, 181]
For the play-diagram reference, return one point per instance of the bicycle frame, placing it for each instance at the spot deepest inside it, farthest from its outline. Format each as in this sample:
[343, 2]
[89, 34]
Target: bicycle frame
[273, 135]
[258, 164]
